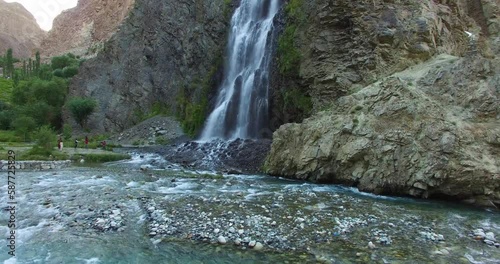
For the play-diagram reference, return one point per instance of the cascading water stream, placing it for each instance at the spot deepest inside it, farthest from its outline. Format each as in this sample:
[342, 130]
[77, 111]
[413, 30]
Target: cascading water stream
[241, 109]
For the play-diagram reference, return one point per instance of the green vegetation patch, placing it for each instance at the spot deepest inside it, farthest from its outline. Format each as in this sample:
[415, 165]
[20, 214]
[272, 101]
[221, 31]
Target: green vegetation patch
[295, 98]
[289, 57]
[81, 109]
[192, 103]
[6, 86]
[157, 109]
[9, 136]
[101, 158]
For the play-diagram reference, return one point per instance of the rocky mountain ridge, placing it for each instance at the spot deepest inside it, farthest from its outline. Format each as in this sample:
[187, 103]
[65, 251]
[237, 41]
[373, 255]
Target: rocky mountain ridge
[19, 30]
[84, 29]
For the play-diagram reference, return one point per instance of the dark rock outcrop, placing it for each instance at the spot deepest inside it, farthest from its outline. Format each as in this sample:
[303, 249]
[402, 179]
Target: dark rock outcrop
[235, 157]
[161, 48]
[19, 30]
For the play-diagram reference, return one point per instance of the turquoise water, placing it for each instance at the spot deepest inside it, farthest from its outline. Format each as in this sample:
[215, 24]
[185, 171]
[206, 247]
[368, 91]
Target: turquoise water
[313, 223]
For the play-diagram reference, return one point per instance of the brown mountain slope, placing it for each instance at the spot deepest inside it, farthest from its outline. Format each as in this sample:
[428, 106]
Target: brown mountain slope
[18, 30]
[85, 27]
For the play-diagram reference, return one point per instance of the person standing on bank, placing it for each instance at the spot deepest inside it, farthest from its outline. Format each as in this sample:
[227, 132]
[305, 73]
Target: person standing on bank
[76, 143]
[86, 142]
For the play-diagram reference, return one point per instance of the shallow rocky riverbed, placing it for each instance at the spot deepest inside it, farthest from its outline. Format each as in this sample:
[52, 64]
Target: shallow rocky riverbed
[176, 216]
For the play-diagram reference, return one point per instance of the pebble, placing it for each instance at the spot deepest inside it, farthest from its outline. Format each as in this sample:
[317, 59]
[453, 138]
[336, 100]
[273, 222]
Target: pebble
[237, 242]
[258, 246]
[232, 230]
[490, 236]
[371, 245]
[221, 240]
[489, 242]
[252, 243]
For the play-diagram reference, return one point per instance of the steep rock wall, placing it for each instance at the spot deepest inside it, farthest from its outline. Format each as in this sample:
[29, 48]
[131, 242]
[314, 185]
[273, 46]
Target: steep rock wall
[163, 48]
[399, 118]
[19, 30]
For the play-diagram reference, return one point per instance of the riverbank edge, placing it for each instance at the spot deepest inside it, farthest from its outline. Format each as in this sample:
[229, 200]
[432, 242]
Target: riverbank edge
[35, 165]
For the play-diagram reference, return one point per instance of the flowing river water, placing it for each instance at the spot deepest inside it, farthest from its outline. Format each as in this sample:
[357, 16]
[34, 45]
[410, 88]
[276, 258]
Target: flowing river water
[145, 210]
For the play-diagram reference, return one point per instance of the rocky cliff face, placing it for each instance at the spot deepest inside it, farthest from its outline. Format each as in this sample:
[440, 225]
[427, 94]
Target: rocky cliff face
[18, 30]
[163, 48]
[83, 30]
[431, 130]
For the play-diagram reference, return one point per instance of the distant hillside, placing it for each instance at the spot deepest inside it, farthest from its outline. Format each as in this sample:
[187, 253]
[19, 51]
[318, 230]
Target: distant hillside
[83, 29]
[19, 30]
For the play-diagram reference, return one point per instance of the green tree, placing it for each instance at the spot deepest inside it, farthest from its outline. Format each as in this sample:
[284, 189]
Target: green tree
[69, 71]
[60, 62]
[30, 68]
[6, 118]
[16, 77]
[23, 126]
[81, 109]
[58, 73]
[45, 138]
[9, 64]
[45, 72]
[37, 63]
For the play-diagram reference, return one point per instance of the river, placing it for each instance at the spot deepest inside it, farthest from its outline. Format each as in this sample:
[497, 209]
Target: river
[146, 210]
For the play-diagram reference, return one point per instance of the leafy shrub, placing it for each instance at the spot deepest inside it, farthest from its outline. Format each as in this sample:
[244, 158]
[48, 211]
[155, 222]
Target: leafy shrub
[81, 109]
[6, 118]
[9, 136]
[60, 62]
[69, 72]
[67, 131]
[45, 138]
[289, 56]
[23, 126]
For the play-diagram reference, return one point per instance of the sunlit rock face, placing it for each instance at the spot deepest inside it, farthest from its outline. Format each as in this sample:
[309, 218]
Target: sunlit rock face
[18, 30]
[83, 29]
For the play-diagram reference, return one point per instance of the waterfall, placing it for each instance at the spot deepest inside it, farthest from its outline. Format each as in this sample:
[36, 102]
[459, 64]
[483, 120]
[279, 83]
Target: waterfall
[242, 106]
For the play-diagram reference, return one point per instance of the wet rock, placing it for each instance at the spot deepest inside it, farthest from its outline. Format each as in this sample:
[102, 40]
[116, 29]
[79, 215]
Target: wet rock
[490, 236]
[489, 242]
[371, 245]
[258, 246]
[221, 240]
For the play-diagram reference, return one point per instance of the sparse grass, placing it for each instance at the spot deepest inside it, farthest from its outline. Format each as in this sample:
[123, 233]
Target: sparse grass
[162, 141]
[100, 158]
[158, 109]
